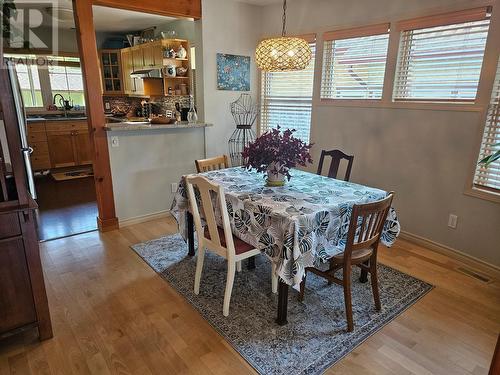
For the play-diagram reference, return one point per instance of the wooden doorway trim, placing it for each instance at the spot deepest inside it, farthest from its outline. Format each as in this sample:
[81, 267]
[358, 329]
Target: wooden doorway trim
[171, 8]
[89, 59]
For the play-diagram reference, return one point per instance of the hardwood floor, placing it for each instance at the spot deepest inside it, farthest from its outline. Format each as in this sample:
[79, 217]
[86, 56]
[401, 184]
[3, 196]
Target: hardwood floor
[65, 207]
[112, 314]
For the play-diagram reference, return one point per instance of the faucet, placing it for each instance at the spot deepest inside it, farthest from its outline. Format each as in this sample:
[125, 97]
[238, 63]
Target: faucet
[65, 104]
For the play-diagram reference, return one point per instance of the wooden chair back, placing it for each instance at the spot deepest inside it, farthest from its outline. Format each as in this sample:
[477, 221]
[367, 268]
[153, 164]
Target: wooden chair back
[366, 225]
[212, 164]
[337, 157]
[206, 190]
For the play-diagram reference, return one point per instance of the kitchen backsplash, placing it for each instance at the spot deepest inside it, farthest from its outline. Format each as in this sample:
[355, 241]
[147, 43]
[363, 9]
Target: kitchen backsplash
[131, 106]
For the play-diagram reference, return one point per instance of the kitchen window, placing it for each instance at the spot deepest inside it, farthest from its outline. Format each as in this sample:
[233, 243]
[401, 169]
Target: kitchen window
[286, 99]
[42, 77]
[29, 80]
[65, 76]
[440, 57]
[354, 62]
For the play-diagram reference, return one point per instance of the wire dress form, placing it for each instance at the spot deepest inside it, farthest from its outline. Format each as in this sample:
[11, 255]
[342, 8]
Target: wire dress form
[244, 113]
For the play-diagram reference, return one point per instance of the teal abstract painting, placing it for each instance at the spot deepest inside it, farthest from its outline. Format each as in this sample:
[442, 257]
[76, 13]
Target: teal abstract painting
[233, 72]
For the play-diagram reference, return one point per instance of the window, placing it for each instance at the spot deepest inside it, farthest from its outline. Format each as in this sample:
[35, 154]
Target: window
[29, 80]
[41, 77]
[66, 79]
[440, 61]
[286, 99]
[354, 63]
[489, 176]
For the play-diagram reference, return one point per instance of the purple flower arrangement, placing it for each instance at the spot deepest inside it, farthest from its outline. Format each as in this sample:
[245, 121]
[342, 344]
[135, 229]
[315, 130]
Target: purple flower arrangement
[276, 152]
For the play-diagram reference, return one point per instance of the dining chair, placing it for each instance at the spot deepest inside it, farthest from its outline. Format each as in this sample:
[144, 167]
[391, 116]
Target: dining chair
[212, 164]
[337, 157]
[365, 227]
[219, 240]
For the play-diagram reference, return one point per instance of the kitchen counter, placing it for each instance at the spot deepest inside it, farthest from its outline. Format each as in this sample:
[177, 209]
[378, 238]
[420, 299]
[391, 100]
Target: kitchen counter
[145, 125]
[48, 118]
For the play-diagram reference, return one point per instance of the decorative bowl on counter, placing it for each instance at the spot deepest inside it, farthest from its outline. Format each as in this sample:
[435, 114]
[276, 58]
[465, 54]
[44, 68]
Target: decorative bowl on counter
[162, 120]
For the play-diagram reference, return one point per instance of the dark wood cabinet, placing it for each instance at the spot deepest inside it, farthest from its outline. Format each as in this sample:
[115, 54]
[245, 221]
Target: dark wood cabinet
[16, 295]
[23, 299]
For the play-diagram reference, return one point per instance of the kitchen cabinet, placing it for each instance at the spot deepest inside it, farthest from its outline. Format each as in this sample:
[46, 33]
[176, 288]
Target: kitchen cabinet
[132, 59]
[150, 55]
[111, 71]
[138, 57]
[127, 68]
[37, 139]
[68, 143]
[83, 147]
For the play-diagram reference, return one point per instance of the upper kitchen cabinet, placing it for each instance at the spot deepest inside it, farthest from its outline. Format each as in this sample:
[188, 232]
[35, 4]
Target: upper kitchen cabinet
[168, 57]
[112, 72]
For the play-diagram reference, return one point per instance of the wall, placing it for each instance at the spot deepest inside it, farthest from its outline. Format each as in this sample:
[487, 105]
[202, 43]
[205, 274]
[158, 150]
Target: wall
[227, 27]
[145, 165]
[424, 155]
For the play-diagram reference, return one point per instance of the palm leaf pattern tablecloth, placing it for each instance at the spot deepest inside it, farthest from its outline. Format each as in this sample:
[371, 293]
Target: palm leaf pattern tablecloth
[298, 225]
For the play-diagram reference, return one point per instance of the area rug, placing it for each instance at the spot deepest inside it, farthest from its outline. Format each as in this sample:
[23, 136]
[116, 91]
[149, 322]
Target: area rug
[315, 337]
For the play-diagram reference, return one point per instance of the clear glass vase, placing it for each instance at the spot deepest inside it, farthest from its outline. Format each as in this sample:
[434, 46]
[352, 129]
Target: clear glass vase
[192, 116]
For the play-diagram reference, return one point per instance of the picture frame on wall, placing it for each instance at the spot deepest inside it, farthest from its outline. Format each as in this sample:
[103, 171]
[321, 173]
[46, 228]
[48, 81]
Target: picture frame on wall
[233, 72]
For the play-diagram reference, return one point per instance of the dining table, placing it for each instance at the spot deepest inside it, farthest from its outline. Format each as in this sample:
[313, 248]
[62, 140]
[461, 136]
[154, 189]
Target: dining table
[298, 225]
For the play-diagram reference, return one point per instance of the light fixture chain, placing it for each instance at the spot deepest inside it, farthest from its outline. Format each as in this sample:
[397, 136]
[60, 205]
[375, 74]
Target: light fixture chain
[283, 31]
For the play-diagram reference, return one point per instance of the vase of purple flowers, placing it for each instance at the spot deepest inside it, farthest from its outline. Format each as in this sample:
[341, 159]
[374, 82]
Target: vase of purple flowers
[274, 153]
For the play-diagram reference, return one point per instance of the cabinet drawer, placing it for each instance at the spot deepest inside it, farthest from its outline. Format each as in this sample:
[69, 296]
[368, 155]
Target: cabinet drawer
[9, 225]
[39, 162]
[40, 148]
[66, 125]
[34, 137]
[38, 126]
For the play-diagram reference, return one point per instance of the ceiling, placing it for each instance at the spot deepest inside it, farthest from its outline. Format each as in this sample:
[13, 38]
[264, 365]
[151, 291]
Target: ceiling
[106, 19]
[118, 20]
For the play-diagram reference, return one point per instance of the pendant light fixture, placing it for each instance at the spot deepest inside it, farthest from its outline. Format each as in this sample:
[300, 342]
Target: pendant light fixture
[283, 53]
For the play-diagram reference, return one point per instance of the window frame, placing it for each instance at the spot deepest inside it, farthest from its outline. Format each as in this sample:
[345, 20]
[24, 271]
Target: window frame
[43, 72]
[349, 33]
[311, 39]
[437, 20]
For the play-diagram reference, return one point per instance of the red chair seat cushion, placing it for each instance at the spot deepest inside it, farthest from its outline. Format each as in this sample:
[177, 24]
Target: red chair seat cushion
[240, 246]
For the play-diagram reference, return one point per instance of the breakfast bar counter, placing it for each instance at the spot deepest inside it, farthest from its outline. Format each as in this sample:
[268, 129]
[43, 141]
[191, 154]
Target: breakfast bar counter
[145, 125]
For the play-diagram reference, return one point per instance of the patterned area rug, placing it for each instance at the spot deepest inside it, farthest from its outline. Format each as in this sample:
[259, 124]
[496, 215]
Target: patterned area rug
[315, 337]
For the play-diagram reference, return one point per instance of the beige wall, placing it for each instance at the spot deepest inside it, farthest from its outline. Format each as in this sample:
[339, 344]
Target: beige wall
[145, 165]
[227, 27]
[423, 155]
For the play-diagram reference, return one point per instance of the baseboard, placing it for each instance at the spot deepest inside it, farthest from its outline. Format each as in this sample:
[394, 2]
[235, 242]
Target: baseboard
[451, 252]
[144, 218]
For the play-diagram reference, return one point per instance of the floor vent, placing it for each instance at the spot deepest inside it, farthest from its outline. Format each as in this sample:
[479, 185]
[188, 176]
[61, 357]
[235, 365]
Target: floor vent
[474, 274]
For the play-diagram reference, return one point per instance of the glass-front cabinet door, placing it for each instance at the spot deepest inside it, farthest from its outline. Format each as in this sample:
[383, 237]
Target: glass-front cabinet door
[112, 80]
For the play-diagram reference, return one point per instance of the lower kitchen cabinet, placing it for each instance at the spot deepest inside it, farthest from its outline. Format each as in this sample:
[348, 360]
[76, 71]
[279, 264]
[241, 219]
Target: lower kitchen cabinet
[58, 144]
[61, 148]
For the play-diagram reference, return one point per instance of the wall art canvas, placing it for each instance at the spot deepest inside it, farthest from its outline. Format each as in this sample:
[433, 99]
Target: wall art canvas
[233, 72]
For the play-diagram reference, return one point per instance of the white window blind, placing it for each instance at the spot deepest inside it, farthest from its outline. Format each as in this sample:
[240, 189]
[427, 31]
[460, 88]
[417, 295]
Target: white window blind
[286, 100]
[439, 61]
[489, 176]
[354, 64]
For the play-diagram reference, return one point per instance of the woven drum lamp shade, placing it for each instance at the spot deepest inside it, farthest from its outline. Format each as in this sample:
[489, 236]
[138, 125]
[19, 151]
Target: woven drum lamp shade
[283, 54]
